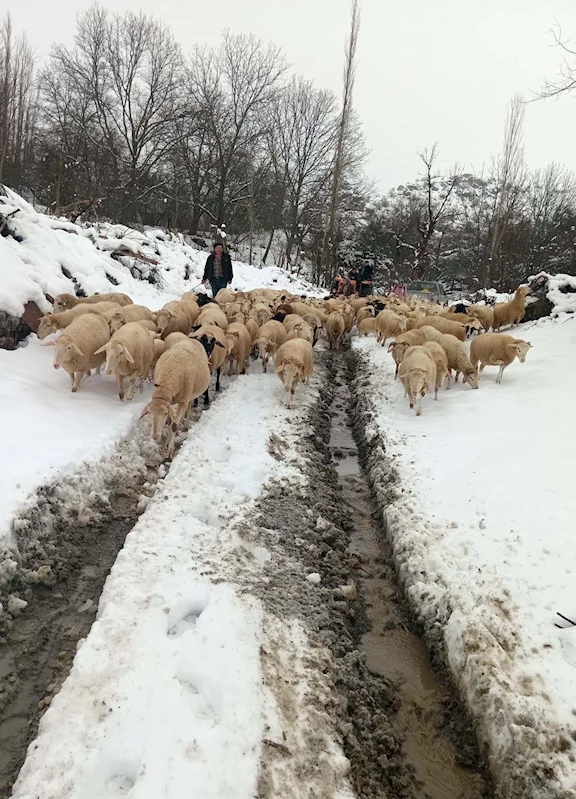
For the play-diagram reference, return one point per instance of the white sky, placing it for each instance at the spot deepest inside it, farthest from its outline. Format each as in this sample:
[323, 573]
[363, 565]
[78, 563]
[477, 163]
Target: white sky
[428, 70]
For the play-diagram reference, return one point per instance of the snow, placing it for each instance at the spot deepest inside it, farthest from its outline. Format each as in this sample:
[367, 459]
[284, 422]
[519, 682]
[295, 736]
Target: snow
[166, 691]
[482, 526]
[47, 429]
[561, 292]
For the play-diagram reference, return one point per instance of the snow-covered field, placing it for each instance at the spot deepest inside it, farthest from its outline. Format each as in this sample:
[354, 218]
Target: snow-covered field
[481, 509]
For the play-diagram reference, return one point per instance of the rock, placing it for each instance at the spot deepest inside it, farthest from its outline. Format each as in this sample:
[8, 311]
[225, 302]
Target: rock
[15, 605]
[14, 330]
[313, 578]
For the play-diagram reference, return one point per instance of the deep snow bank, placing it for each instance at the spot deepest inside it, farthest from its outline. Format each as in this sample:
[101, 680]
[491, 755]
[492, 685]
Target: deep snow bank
[166, 691]
[479, 505]
[33, 267]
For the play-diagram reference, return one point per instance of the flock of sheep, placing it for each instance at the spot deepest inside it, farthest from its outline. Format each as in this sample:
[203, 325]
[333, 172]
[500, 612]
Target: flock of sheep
[430, 340]
[183, 344]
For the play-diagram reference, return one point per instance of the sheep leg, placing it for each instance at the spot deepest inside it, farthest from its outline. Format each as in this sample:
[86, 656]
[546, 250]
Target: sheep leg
[120, 380]
[419, 405]
[77, 380]
[218, 378]
[457, 376]
[206, 398]
[265, 365]
[131, 388]
[500, 373]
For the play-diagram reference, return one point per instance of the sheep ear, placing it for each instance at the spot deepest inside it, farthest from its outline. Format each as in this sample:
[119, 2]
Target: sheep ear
[217, 344]
[128, 354]
[101, 349]
[391, 347]
[77, 350]
[145, 411]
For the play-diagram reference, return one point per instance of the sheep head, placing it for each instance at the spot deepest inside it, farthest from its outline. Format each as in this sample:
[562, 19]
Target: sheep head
[160, 411]
[63, 350]
[521, 349]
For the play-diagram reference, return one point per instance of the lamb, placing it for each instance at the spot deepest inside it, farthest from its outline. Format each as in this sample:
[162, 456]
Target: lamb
[367, 326]
[238, 346]
[494, 349]
[303, 330]
[63, 302]
[181, 375]
[389, 324]
[335, 327]
[484, 314]
[294, 364]
[78, 350]
[444, 326]
[51, 322]
[129, 353]
[417, 373]
[270, 336]
[458, 361]
[219, 353]
[441, 360]
[130, 313]
[510, 313]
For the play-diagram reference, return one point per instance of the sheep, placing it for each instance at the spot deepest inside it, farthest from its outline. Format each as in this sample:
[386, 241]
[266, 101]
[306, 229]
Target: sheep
[404, 341]
[159, 346]
[239, 344]
[63, 302]
[417, 373]
[219, 353]
[510, 313]
[458, 361]
[51, 322]
[494, 349]
[130, 313]
[181, 375]
[335, 327]
[75, 350]
[177, 316]
[211, 314]
[224, 296]
[301, 330]
[147, 324]
[294, 364]
[252, 327]
[270, 336]
[389, 324]
[316, 325]
[365, 313]
[367, 326]
[441, 360]
[444, 326]
[129, 353]
[484, 314]
[359, 303]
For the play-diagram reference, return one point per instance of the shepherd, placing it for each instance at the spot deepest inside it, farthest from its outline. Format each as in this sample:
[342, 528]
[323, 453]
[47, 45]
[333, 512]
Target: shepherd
[218, 269]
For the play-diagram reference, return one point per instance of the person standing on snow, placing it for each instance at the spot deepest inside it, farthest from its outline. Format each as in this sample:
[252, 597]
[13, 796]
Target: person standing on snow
[218, 269]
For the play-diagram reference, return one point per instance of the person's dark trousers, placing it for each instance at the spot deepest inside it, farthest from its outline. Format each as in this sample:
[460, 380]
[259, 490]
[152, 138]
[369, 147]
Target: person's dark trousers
[217, 283]
[365, 289]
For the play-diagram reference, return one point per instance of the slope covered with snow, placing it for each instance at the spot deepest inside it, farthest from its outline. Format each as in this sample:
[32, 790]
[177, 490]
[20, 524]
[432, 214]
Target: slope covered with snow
[481, 509]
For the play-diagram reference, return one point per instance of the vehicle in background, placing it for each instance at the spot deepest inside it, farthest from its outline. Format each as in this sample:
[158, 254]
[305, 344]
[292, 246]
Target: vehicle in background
[427, 290]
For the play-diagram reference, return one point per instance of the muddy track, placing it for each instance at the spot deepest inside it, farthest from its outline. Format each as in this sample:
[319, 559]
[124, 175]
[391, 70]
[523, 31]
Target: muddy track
[401, 730]
[72, 551]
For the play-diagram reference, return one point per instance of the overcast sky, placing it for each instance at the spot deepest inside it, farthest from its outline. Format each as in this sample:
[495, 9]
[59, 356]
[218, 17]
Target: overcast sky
[428, 70]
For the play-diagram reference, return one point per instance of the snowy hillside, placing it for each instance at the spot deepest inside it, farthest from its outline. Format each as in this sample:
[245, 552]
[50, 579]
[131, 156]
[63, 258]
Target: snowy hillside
[156, 266]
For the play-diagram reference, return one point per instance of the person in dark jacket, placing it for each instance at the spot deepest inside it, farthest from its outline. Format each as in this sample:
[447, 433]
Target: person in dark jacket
[365, 278]
[218, 269]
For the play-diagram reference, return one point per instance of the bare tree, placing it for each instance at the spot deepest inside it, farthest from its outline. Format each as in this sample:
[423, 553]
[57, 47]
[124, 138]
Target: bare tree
[16, 96]
[565, 83]
[233, 87]
[438, 191]
[510, 179]
[331, 245]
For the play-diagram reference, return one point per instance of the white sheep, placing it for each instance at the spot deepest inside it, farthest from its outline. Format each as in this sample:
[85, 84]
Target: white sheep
[181, 375]
[510, 313]
[63, 302]
[239, 344]
[129, 313]
[443, 326]
[389, 324]
[78, 350]
[52, 322]
[441, 360]
[220, 351]
[496, 349]
[458, 361]
[271, 335]
[294, 364]
[129, 353]
[417, 373]
[335, 328]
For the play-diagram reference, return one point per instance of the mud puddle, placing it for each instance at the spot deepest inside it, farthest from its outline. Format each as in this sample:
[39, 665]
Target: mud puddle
[392, 650]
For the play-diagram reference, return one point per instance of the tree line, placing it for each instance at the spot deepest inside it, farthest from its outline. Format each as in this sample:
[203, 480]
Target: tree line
[123, 125]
